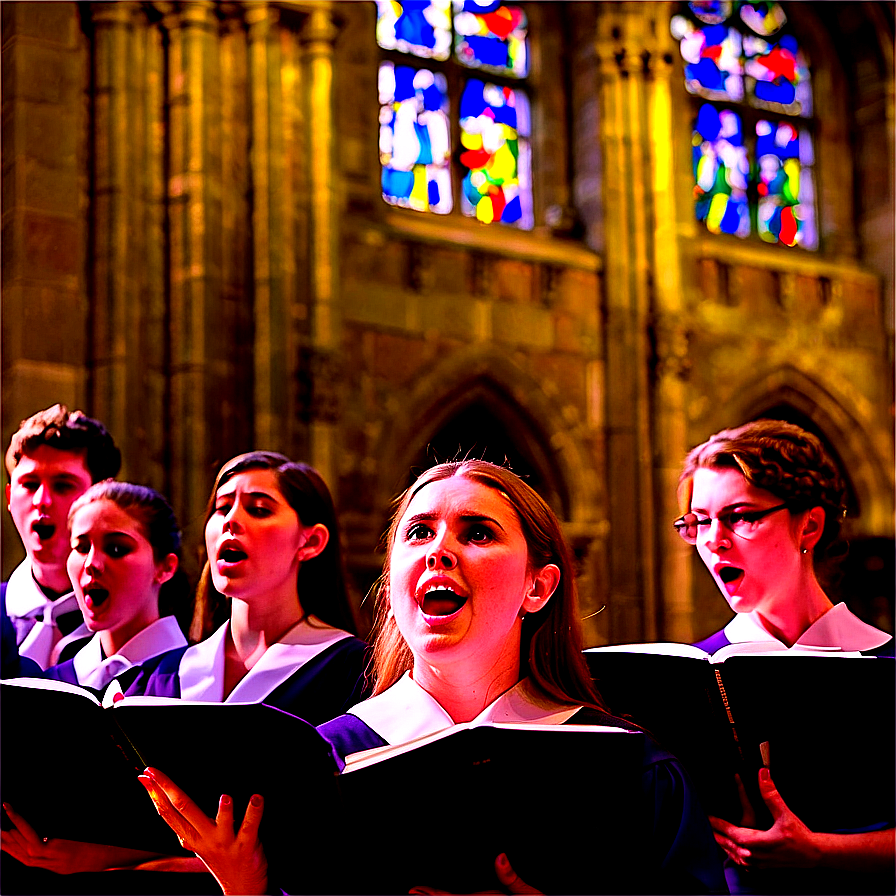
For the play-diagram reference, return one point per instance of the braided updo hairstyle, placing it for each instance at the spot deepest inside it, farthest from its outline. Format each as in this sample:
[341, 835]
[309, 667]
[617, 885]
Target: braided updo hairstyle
[782, 459]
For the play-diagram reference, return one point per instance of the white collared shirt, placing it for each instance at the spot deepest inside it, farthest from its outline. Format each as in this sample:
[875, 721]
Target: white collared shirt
[159, 637]
[201, 672]
[405, 711]
[38, 638]
[838, 628]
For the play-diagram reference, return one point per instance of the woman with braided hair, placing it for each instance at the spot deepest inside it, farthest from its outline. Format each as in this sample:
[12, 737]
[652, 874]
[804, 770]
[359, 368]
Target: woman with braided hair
[764, 505]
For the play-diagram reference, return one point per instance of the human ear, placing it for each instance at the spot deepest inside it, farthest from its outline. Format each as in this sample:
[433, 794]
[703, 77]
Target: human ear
[812, 528]
[544, 584]
[316, 539]
[166, 569]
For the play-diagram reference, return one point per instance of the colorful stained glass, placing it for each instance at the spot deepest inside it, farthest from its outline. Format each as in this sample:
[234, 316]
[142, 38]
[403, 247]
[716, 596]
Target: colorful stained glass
[778, 75]
[717, 57]
[713, 12]
[491, 35]
[785, 185]
[494, 124]
[721, 172]
[763, 18]
[415, 142]
[741, 53]
[419, 27]
[713, 64]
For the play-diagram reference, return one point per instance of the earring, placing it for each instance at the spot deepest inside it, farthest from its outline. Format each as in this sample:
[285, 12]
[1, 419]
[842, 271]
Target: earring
[804, 550]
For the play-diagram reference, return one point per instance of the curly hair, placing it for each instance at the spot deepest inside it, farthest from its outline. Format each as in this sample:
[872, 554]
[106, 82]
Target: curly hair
[780, 458]
[551, 642]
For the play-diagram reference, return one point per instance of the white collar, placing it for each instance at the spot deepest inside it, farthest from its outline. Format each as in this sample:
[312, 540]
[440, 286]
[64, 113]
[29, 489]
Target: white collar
[405, 711]
[838, 627]
[25, 598]
[159, 637]
[201, 671]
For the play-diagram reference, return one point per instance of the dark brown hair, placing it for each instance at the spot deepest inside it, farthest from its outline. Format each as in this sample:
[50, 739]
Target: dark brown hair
[321, 581]
[64, 431]
[155, 518]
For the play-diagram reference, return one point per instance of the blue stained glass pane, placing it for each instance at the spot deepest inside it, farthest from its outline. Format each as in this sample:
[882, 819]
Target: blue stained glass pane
[414, 29]
[419, 27]
[513, 211]
[706, 73]
[472, 101]
[404, 83]
[433, 98]
[425, 155]
[397, 183]
[415, 143]
[783, 93]
[708, 122]
[487, 51]
[491, 36]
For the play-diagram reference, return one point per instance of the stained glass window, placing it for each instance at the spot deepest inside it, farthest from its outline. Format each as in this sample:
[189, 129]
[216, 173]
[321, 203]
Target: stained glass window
[458, 126]
[752, 146]
[415, 144]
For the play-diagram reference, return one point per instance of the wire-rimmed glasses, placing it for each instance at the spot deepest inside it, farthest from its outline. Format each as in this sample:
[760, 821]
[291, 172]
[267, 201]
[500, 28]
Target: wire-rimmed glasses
[742, 523]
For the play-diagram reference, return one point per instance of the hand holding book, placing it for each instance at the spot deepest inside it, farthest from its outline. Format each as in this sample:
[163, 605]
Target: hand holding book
[236, 859]
[789, 843]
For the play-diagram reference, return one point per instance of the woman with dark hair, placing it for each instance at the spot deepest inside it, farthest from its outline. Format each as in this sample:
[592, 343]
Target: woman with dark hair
[124, 568]
[274, 558]
[764, 505]
[477, 619]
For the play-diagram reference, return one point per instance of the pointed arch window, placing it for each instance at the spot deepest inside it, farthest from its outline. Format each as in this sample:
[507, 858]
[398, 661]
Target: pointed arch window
[454, 109]
[752, 137]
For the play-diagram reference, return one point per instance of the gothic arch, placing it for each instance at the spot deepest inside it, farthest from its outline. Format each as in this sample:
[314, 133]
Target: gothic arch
[483, 377]
[864, 461]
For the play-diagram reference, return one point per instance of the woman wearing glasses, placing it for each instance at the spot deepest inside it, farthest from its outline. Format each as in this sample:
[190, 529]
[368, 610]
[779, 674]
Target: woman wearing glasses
[765, 505]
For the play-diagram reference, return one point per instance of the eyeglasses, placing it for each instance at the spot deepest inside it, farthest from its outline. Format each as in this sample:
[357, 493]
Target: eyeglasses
[742, 523]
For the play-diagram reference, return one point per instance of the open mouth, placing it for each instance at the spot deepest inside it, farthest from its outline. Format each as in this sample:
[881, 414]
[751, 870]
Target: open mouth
[96, 597]
[232, 555]
[441, 602]
[729, 574]
[44, 531]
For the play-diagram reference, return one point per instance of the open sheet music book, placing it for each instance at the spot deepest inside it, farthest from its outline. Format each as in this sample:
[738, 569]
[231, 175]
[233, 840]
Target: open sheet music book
[825, 716]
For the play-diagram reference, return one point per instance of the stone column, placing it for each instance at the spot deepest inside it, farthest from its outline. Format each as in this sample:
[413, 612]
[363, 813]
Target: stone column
[624, 44]
[318, 37]
[128, 305]
[272, 355]
[194, 205]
